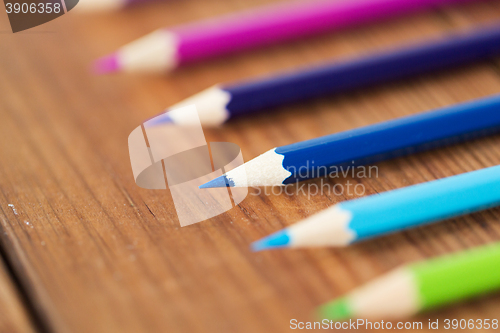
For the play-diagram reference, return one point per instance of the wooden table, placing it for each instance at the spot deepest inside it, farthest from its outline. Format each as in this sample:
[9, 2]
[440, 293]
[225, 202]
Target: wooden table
[86, 250]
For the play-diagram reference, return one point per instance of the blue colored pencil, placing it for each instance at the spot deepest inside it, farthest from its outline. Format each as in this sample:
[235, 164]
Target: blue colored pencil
[217, 104]
[324, 155]
[392, 211]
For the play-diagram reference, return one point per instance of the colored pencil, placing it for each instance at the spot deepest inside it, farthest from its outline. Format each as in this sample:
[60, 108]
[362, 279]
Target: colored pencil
[166, 49]
[392, 211]
[324, 155]
[106, 5]
[421, 286]
[217, 104]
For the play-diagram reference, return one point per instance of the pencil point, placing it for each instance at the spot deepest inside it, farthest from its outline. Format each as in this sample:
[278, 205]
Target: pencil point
[221, 181]
[161, 119]
[107, 64]
[276, 240]
[335, 310]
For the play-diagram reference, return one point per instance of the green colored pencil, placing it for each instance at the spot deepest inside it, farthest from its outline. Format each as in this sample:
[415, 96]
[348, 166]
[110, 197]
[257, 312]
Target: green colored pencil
[421, 286]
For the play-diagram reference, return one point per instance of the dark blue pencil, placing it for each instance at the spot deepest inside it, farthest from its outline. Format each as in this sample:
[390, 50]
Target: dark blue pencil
[327, 154]
[218, 104]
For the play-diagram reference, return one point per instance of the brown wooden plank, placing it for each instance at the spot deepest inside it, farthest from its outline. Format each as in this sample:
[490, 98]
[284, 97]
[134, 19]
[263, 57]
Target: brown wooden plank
[98, 254]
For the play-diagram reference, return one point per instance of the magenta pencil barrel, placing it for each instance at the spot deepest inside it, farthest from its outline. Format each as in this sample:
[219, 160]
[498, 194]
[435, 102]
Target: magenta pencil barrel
[285, 21]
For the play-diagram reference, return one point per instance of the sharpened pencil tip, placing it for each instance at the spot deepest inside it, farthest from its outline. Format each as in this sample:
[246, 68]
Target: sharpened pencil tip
[107, 64]
[221, 181]
[335, 310]
[274, 241]
[161, 119]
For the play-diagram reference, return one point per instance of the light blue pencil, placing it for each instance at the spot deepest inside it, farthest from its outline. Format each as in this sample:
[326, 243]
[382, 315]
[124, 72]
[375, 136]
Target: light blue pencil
[392, 211]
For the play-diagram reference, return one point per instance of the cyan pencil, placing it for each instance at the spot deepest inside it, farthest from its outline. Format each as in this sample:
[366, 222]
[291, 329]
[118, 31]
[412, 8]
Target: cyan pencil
[392, 211]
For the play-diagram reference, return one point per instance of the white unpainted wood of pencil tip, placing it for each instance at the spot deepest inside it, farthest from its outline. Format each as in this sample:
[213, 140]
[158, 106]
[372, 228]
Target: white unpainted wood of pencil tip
[394, 295]
[329, 227]
[85, 6]
[211, 106]
[264, 170]
[153, 53]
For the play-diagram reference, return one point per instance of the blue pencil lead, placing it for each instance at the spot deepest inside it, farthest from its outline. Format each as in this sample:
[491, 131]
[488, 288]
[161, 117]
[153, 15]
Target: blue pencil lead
[159, 120]
[276, 240]
[221, 181]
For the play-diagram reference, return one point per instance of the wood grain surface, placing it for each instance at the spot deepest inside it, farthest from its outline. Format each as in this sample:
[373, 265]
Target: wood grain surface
[14, 315]
[95, 253]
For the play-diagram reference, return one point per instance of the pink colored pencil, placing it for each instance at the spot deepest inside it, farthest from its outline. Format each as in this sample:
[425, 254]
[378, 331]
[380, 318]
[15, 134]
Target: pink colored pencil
[166, 49]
